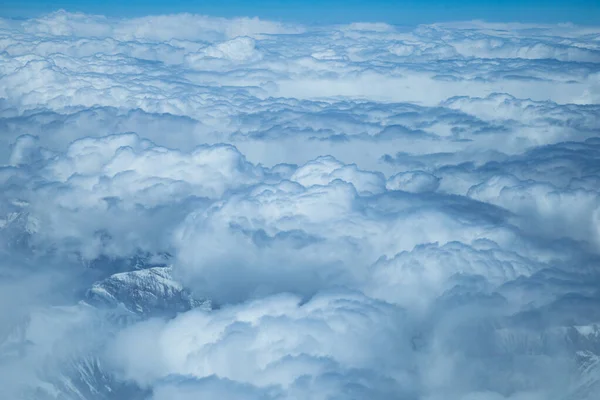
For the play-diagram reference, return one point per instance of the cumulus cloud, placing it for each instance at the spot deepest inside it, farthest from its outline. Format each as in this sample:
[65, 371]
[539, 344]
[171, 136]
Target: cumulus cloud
[275, 342]
[197, 207]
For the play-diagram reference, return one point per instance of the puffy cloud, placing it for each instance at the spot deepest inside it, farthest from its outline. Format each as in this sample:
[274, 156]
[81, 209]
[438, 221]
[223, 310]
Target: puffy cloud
[238, 49]
[276, 342]
[325, 170]
[197, 207]
[154, 28]
[413, 181]
[131, 182]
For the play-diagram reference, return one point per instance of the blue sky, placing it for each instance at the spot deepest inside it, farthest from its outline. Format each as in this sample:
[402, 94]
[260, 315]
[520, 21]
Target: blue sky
[331, 11]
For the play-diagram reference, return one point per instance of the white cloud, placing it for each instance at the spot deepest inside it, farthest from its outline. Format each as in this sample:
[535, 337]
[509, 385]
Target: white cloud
[371, 211]
[275, 341]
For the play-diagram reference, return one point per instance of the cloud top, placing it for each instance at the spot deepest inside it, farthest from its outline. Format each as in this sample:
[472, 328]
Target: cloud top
[197, 207]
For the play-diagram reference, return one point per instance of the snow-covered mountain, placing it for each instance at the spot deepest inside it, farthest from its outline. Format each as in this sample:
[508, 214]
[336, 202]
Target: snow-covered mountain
[77, 371]
[147, 292]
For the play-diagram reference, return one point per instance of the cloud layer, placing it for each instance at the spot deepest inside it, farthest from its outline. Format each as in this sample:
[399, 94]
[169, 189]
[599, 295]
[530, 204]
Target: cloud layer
[194, 207]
